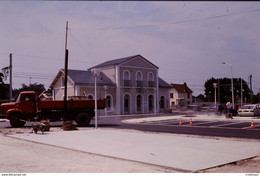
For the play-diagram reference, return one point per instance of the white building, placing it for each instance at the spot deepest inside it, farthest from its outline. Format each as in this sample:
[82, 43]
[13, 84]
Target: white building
[180, 95]
[130, 85]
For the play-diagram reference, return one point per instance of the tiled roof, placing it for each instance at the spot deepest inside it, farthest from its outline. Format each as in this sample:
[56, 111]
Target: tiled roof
[120, 61]
[84, 77]
[87, 78]
[163, 84]
[182, 88]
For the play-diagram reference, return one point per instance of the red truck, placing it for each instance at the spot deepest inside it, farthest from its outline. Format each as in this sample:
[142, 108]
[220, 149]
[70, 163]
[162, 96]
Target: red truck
[29, 107]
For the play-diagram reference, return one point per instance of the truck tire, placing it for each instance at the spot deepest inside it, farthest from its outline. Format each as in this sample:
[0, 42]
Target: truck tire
[83, 119]
[16, 120]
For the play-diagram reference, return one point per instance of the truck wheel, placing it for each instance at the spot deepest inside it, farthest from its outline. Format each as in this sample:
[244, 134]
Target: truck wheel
[16, 120]
[83, 119]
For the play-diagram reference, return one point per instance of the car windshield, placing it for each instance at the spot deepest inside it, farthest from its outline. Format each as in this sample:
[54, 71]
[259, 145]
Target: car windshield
[247, 107]
[214, 106]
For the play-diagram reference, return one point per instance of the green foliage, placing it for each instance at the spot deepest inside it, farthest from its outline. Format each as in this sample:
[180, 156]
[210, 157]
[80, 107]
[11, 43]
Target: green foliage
[37, 88]
[256, 98]
[4, 90]
[225, 90]
[1, 78]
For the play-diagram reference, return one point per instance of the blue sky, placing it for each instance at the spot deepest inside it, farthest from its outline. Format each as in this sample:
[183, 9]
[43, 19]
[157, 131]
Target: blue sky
[186, 40]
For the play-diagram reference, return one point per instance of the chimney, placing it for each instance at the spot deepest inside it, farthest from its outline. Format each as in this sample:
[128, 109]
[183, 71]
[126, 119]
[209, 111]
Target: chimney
[185, 87]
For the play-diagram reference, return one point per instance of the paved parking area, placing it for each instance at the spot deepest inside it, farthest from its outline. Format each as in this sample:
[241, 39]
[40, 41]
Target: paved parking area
[234, 124]
[201, 121]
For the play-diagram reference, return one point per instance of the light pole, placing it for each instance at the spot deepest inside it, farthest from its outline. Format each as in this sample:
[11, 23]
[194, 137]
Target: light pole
[215, 85]
[231, 83]
[105, 88]
[241, 92]
[95, 72]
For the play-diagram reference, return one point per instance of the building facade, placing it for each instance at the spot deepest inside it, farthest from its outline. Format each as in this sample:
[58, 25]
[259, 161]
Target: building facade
[131, 85]
[180, 95]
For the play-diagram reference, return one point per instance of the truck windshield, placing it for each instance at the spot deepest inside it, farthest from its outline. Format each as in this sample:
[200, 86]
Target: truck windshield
[19, 97]
[24, 97]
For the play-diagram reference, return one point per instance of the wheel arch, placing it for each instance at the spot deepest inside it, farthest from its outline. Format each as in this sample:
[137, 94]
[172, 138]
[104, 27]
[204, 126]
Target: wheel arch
[11, 112]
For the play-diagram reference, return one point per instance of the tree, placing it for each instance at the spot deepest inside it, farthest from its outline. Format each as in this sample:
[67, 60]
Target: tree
[256, 98]
[225, 90]
[37, 88]
[200, 97]
[1, 78]
[3, 88]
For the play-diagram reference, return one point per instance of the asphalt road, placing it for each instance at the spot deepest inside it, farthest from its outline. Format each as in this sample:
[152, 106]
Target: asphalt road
[198, 130]
[206, 127]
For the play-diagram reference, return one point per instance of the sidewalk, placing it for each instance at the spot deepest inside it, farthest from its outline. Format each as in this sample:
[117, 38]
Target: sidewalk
[185, 154]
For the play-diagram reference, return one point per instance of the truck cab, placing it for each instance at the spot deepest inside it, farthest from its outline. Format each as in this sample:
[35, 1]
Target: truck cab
[23, 109]
[27, 102]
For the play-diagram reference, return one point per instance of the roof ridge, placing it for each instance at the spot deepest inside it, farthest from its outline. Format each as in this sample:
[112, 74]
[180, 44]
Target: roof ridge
[115, 61]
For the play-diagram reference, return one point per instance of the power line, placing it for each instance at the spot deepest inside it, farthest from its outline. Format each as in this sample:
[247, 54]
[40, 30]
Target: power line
[47, 57]
[255, 81]
[171, 23]
[32, 77]
[28, 73]
[83, 48]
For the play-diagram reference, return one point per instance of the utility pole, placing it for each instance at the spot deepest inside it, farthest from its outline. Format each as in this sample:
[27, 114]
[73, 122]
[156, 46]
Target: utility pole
[66, 75]
[215, 85]
[251, 91]
[241, 92]
[259, 94]
[10, 84]
[218, 91]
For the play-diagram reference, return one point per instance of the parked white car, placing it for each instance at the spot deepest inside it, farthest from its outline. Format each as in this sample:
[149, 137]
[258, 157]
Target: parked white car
[249, 110]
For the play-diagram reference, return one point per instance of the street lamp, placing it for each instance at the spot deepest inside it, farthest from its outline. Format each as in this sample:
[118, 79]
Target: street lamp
[96, 73]
[105, 88]
[241, 92]
[215, 85]
[231, 83]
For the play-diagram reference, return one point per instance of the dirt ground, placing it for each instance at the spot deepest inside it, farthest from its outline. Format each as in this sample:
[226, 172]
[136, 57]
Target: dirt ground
[245, 166]
[30, 157]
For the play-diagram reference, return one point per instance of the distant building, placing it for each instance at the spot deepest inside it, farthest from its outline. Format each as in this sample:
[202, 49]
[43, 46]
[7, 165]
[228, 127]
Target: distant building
[180, 95]
[130, 85]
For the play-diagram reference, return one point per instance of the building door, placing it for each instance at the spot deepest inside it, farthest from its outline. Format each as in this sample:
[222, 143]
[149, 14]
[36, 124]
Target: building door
[139, 104]
[150, 104]
[126, 104]
[162, 100]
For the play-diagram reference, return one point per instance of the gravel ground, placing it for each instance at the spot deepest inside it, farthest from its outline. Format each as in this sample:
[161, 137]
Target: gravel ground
[29, 157]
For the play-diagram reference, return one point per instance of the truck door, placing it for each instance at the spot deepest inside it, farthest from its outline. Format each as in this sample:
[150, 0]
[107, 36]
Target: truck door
[27, 104]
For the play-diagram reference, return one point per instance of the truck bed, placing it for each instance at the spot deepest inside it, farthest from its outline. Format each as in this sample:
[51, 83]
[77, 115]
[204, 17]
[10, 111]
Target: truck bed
[71, 104]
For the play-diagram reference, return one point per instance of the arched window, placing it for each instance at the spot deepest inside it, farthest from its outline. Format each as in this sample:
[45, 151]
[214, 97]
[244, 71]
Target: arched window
[162, 104]
[150, 103]
[151, 82]
[127, 104]
[90, 97]
[139, 79]
[139, 101]
[109, 102]
[127, 78]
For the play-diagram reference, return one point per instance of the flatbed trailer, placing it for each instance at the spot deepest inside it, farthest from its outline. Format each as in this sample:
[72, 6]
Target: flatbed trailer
[29, 107]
